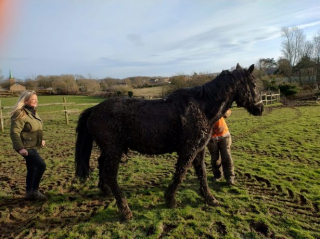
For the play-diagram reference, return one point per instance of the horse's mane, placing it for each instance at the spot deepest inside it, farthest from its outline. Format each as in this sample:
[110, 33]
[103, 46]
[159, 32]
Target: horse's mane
[212, 90]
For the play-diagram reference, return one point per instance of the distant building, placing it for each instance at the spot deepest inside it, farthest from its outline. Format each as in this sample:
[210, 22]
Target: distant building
[44, 91]
[17, 88]
[122, 83]
[11, 79]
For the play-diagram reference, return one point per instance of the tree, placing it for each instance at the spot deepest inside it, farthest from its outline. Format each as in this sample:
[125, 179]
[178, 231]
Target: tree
[1, 77]
[316, 57]
[138, 81]
[110, 82]
[31, 84]
[71, 84]
[59, 86]
[90, 86]
[308, 49]
[284, 67]
[292, 46]
[304, 68]
[267, 65]
[65, 84]
[178, 81]
[45, 81]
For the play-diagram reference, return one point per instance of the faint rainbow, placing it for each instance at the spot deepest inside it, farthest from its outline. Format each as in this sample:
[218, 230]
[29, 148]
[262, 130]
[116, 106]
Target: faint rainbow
[8, 17]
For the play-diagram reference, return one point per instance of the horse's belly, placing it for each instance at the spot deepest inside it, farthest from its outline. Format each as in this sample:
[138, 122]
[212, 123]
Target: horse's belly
[157, 148]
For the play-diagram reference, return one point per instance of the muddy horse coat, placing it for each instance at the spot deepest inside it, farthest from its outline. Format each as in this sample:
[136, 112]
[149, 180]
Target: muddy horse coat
[181, 122]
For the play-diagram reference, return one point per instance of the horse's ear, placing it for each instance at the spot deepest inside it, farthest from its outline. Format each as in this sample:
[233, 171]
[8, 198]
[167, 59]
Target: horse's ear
[238, 67]
[251, 68]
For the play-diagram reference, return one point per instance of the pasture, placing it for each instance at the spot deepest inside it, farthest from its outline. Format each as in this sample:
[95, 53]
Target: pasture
[277, 195]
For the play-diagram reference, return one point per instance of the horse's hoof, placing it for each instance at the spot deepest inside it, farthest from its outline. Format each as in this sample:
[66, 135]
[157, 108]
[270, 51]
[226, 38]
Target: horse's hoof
[213, 202]
[171, 203]
[105, 190]
[126, 215]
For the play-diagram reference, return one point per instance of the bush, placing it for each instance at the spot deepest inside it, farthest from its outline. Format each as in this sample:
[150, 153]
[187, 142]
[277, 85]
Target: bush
[288, 89]
[270, 85]
[130, 94]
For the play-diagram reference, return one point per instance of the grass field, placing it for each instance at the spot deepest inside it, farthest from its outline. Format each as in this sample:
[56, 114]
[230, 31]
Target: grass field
[155, 92]
[277, 195]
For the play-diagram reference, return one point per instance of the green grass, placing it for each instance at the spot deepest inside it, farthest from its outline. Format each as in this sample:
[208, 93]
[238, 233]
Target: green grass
[277, 195]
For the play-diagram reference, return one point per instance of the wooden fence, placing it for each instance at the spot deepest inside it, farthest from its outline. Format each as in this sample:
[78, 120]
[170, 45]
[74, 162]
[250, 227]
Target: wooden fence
[266, 99]
[6, 93]
[270, 98]
[65, 110]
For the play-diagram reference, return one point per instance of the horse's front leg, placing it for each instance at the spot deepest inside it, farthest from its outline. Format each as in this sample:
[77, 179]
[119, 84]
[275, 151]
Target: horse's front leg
[182, 165]
[200, 168]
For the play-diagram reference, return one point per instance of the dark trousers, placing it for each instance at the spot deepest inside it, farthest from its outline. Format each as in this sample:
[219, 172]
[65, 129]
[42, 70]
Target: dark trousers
[35, 169]
[221, 159]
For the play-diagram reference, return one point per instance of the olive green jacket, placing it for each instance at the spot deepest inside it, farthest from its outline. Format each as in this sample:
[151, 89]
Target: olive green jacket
[26, 132]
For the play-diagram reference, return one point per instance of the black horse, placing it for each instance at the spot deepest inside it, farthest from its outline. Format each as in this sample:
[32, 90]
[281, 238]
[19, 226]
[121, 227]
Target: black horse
[181, 122]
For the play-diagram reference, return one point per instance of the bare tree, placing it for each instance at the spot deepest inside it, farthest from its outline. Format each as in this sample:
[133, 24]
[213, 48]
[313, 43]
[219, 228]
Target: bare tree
[59, 86]
[87, 85]
[1, 77]
[3, 82]
[308, 49]
[71, 84]
[45, 81]
[31, 84]
[293, 44]
[316, 57]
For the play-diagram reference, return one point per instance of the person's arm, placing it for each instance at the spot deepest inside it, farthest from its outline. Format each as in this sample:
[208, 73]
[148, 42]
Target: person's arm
[15, 132]
[227, 114]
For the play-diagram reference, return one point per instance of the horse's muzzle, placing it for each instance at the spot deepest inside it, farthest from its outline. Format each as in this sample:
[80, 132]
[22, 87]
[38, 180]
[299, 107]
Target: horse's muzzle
[257, 109]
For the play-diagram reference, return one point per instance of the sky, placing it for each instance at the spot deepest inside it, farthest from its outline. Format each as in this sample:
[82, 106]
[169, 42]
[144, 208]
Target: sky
[125, 38]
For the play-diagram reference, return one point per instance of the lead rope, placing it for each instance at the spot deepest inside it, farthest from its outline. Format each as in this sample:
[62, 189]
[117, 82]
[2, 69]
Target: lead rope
[259, 102]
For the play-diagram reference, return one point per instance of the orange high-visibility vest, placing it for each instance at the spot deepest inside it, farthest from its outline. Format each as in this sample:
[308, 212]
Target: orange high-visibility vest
[220, 128]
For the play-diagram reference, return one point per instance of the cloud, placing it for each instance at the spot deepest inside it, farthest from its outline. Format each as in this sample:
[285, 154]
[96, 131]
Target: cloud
[311, 24]
[135, 39]
[16, 59]
[158, 61]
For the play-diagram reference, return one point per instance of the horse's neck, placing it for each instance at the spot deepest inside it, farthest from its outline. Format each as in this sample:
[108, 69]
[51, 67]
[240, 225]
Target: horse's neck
[222, 92]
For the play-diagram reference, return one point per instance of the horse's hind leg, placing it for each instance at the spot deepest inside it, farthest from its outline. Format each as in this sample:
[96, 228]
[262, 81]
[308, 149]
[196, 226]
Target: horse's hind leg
[109, 175]
[102, 180]
[200, 168]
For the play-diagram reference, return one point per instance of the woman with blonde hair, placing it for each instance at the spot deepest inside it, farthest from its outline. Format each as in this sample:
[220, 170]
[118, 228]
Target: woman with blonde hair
[26, 136]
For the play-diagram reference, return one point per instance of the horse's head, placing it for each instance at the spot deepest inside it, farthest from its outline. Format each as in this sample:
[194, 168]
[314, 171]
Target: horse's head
[247, 95]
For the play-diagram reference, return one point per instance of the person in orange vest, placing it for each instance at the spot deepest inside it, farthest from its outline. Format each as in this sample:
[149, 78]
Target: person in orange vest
[219, 147]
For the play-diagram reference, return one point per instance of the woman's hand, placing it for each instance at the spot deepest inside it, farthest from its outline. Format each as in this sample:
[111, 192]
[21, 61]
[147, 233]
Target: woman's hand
[23, 152]
[227, 114]
[43, 143]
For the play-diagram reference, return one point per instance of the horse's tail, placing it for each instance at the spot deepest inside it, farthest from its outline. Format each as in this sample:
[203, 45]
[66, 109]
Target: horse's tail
[83, 146]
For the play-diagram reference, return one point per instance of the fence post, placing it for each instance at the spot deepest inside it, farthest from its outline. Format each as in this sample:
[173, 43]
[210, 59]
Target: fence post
[1, 118]
[266, 98]
[65, 110]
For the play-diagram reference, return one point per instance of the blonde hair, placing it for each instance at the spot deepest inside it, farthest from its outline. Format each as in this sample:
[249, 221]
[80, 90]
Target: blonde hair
[25, 96]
